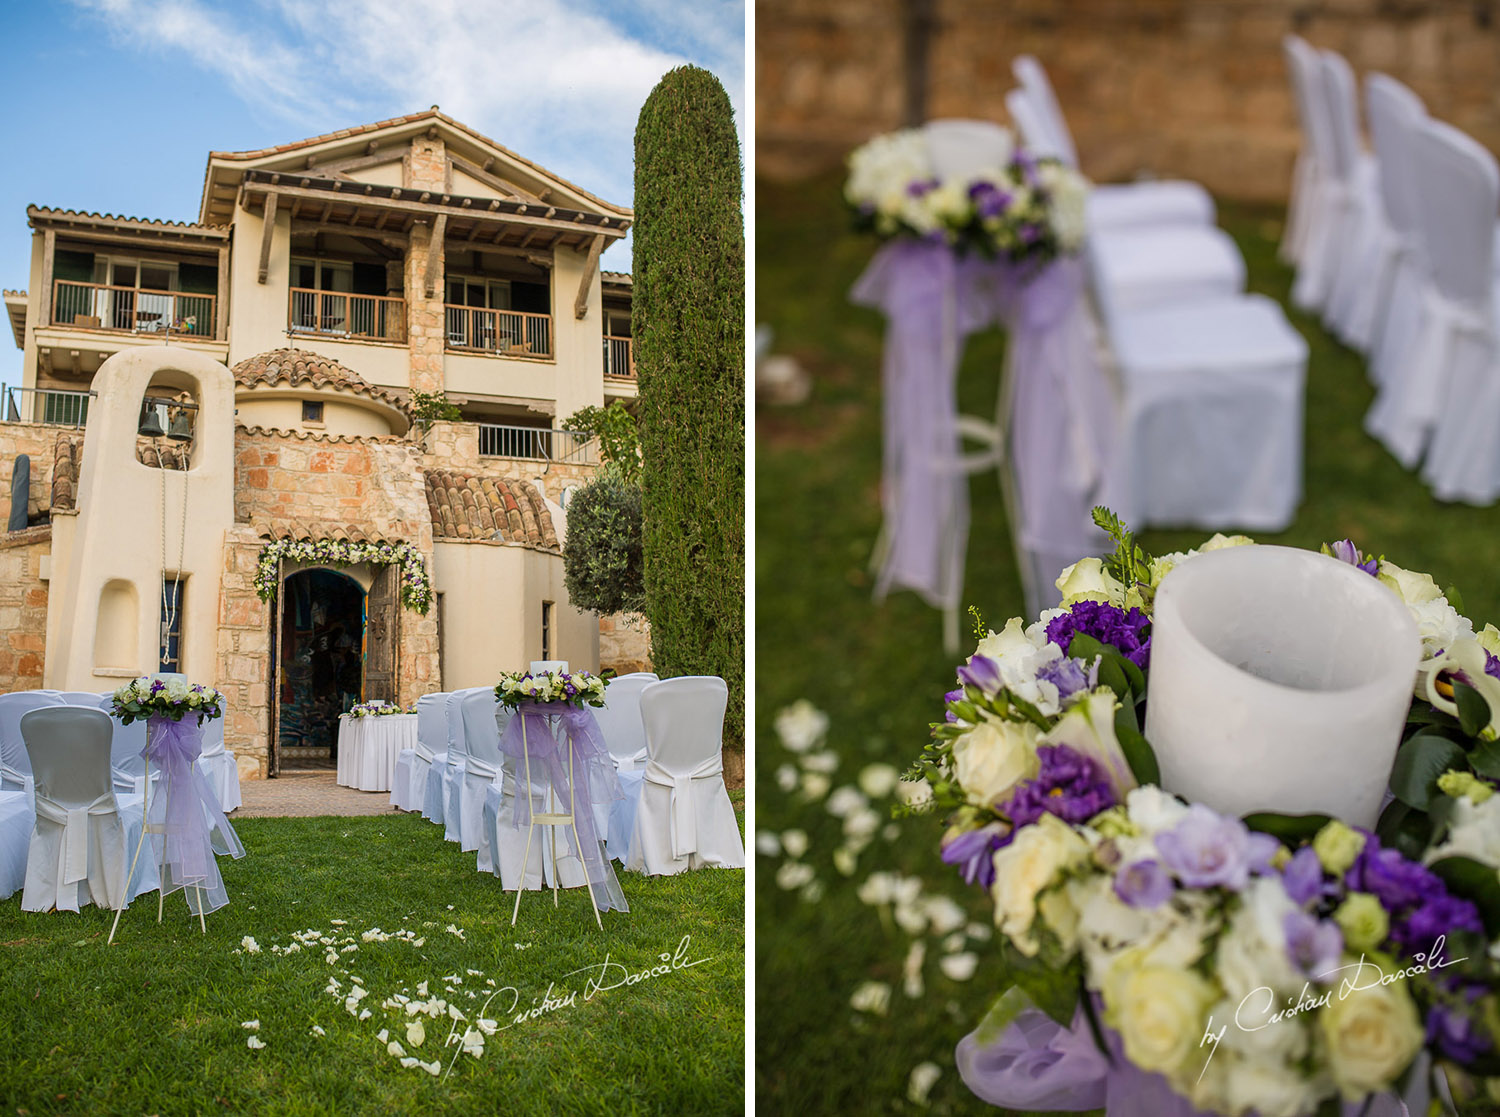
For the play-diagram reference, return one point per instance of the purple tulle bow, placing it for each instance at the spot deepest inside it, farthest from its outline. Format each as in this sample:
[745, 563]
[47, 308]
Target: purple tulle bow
[529, 735]
[174, 747]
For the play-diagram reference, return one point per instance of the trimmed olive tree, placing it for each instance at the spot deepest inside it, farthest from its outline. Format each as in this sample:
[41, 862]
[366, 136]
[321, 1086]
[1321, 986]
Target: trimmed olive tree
[688, 322]
[602, 555]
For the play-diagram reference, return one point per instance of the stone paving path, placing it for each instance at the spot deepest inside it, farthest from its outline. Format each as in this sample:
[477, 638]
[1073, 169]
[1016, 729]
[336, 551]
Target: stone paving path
[302, 794]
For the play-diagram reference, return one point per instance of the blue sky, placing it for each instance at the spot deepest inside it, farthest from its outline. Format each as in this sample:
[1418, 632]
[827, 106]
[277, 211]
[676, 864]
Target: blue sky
[114, 105]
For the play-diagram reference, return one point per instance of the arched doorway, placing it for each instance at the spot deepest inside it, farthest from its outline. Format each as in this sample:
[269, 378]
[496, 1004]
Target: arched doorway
[320, 664]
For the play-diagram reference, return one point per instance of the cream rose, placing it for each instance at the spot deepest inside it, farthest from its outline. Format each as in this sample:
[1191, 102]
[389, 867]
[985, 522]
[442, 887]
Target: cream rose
[1087, 580]
[1221, 541]
[1030, 864]
[1160, 1013]
[1413, 587]
[993, 757]
[1371, 1033]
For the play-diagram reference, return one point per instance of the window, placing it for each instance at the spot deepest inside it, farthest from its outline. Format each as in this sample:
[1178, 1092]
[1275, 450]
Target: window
[171, 625]
[547, 638]
[312, 411]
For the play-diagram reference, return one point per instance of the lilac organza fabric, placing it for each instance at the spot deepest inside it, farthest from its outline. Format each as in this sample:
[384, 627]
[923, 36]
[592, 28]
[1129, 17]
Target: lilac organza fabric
[1036, 1063]
[192, 824]
[1060, 422]
[529, 735]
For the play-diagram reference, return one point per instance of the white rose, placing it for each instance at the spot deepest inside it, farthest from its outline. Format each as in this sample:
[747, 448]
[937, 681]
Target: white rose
[1252, 954]
[1474, 832]
[1018, 654]
[1270, 1087]
[1087, 580]
[1023, 869]
[1170, 934]
[1441, 625]
[1160, 1013]
[1220, 541]
[1413, 587]
[1371, 1034]
[993, 757]
[1153, 810]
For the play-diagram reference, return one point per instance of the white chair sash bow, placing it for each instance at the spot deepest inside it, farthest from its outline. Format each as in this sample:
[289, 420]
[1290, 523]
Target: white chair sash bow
[683, 825]
[73, 852]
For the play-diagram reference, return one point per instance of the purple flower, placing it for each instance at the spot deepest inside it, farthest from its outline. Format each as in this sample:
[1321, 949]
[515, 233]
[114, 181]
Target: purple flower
[1144, 884]
[974, 853]
[1303, 876]
[1108, 624]
[1419, 903]
[921, 186]
[989, 200]
[952, 696]
[1441, 915]
[1068, 784]
[1453, 1032]
[1312, 945]
[1206, 850]
[983, 672]
[1069, 675]
[1345, 551]
[1492, 665]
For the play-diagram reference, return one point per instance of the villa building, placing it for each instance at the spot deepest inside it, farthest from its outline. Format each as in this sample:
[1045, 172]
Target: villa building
[198, 397]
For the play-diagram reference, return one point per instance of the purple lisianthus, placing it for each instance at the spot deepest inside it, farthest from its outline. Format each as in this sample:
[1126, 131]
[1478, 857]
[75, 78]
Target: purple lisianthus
[1419, 930]
[1420, 905]
[1492, 665]
[1345, 551]
[1453, 1032]
[983, 672]
[952, 696]
[989, 200]
[1068, 784]
[1144, 884]
[1109, 625]
[973, 852]
[1313, 945]
[1303, 876]
[921, 186]
[1069, 675]
[1205, 850]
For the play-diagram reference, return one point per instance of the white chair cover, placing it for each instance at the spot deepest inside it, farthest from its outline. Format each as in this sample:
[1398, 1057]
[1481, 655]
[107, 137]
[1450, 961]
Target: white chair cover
[1450, 360]
[1308, 170]
[1134, 269]
[961, 148]
[540, 665]
[1211, 425]
[453, 772]
[1327, 86]
[219, 765]
[1035, 136]
[79, 843]
[409, 780]
[1038, 87]
[620, 719]
[685, 819]
[1365, 208]
[17, 820]
[127, 742]
[432, 752]
[505, 843]
[15, 765]
[479, 711]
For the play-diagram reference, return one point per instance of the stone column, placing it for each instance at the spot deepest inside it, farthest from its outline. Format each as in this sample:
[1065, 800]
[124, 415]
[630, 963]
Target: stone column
[425, 168]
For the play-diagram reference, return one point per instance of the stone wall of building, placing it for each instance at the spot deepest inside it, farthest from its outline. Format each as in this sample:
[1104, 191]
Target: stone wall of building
[244, 654]
[624, 643]
[1189, 88]
[23, 607]
[425, 167]
[39, 444]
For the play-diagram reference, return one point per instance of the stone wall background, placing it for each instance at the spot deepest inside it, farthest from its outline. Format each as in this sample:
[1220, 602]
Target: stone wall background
[1185, 88]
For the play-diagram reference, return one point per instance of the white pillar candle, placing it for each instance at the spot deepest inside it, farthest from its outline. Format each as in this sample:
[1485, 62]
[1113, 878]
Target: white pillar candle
[1280, 681]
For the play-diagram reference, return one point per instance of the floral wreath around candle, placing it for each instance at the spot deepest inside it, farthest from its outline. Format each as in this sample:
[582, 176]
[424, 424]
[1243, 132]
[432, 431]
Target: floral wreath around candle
[416, 585]
[1334, 955]
[377, 710]
[146, 697]
[571, 688]
[1022, 208]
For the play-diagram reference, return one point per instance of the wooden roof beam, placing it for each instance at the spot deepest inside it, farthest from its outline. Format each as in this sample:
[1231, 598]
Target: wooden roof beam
[590, 267]
[268, 227]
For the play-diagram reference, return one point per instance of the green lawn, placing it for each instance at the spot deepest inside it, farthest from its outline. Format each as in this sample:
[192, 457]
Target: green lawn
[152, 1024]
[880, 671]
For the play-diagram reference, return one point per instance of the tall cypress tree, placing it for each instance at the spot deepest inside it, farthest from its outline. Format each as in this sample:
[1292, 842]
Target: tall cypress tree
[688, 319]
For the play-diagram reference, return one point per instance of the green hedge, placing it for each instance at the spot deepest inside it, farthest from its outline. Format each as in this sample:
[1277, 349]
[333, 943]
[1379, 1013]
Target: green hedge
[688, 317]
[602, 555]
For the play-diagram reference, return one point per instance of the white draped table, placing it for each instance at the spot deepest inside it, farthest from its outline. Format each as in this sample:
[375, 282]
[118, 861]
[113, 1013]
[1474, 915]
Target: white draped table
[368, 748]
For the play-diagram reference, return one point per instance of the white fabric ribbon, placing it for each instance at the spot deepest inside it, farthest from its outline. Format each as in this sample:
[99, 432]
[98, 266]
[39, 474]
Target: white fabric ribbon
[481, 770]
[422, 753]
[683, 819]
[10, 775]
[73, 864]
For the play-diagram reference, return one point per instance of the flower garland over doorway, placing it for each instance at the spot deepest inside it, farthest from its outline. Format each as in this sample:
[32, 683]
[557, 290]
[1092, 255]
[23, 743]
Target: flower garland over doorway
[416, 585]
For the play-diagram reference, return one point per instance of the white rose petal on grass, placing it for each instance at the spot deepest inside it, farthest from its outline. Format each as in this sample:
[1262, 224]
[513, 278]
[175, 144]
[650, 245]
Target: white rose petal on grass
[794, 843]
[254, 1043]
[382, 1035]
[878, 780]
[824, 762]
[814, 786]
[845, 860]
[422, 989]
[959, 967]
[793, 874]
[801, 725]
[395, 1049]
[473, 1042]
[416, 1034]
[786, 777]
[317, 1031]
[812, 892]
[488, 1027]
[878, 888]
[891, 831]
[338, 922]
[845, 801]
[767, 844]
[923, 1077]
[944, 915]
[251, 1025]
[365, 1014]
[452, 930]
[911, 971]
[872, 996]
[249, 945]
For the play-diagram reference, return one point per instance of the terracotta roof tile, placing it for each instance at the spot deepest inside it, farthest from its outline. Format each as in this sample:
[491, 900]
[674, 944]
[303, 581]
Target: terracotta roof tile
[67, 464]
[314, 530]
[299, 366]
[119, 219]
[464, 506]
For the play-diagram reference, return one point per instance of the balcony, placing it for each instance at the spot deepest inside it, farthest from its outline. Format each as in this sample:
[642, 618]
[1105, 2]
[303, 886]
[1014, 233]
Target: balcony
[537, 444]
[53, 407]
[343, 315]
[619, 360]
[504, 333]
[98, 306]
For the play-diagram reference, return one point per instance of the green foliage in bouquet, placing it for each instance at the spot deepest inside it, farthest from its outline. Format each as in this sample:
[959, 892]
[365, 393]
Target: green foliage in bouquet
[688, 315]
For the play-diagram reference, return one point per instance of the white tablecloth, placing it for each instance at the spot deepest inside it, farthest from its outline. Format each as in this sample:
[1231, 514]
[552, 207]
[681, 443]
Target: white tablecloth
[368, 748]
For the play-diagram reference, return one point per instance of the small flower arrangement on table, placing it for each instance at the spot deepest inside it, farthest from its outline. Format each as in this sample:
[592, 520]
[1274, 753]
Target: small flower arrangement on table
[377, 710]
[570, 688]
[174, 699]
[1271, 964]
[1023, 208]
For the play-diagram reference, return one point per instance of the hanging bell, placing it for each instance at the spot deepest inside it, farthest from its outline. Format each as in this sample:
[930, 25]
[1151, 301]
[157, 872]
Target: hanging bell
[182, 427]
[151, 423]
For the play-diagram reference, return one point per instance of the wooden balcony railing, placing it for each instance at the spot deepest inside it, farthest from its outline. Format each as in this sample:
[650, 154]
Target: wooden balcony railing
[98, 306]
[618, 359]
[341, 314]
[510, 333]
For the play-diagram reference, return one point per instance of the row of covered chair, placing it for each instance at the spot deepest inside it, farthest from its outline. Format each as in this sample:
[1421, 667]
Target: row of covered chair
[665, 738]
[1398, 250]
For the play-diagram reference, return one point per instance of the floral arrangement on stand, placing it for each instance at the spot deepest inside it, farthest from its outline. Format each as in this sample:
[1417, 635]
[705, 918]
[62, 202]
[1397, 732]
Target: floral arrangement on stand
[1023, 209]
[174, 699]
[569, 688]
[377, 710]
[1272, 964]
[416, 585]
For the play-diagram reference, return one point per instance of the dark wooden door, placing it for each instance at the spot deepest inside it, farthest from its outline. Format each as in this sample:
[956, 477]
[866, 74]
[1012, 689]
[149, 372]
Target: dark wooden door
[382, 634]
